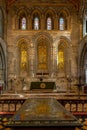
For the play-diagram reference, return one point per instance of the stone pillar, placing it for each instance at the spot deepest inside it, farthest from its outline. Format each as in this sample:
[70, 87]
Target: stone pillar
[42, 22]
[31, 62]
[56, 23]
[29, 24]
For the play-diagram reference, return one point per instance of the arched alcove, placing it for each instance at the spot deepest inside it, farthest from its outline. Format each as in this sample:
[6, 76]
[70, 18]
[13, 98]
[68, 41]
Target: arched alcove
[82, 61]
[3, 64]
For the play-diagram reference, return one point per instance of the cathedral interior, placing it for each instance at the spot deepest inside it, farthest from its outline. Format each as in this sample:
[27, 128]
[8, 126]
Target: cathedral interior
[43, 39]
[43, 50]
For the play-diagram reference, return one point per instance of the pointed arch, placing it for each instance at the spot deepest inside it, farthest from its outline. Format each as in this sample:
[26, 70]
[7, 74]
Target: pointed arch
[22, 19]
[63, 18]
[36, 19]
[62, 54]
[42, 54]
[3, 64]
[23, 56]
[82, 61]
[49, 19]
[64, 57]
[43, 43]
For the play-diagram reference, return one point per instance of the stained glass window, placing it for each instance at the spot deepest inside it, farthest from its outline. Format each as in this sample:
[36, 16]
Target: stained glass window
[61, 23]
[23, 23]
[36, 23]
[49, 23]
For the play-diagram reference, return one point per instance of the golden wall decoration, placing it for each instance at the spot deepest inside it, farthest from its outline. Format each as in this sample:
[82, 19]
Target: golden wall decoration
[60, 59]
[23, 56]
[42, 53]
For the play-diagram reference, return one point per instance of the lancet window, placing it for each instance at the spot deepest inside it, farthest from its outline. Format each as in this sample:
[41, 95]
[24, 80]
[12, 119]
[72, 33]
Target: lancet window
[22, 21]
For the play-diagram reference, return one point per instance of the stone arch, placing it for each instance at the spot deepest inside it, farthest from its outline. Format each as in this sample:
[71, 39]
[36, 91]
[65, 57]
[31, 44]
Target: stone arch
[65, 43]
[63, 47]
[36, 13]
[49, 9]
[36, 9]
[64, 13]
[45, 39]
[60, 37]
[47, 35]
[3, 65]
[19, 40]
[82, 63]
[17, 16]
[51, 14]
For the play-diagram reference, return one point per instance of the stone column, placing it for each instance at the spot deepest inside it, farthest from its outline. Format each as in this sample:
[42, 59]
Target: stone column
[30, 23]
[55, 22]
[42, 22]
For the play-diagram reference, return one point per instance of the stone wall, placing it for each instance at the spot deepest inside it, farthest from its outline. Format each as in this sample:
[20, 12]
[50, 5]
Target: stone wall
[69, 36]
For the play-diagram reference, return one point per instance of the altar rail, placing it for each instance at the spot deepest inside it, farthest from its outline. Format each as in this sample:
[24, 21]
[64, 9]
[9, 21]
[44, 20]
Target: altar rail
[77, 106]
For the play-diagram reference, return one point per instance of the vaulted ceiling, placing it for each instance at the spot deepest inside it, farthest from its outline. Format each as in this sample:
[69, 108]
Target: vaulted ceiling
[74, 2]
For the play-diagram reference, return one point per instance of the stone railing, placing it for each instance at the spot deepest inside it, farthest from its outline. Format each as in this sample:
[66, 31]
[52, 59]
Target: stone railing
[76, 106]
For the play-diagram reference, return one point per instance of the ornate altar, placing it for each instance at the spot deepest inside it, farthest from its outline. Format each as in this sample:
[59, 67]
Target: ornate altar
[42, 86]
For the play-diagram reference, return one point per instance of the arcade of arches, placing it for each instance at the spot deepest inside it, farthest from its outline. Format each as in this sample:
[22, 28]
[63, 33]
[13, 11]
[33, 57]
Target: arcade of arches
[43, 39]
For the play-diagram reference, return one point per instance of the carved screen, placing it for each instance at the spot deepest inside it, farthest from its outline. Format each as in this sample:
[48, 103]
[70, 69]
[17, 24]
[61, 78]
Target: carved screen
[42, 53]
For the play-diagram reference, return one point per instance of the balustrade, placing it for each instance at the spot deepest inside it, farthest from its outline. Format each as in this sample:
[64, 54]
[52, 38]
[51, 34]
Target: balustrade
[76, 106]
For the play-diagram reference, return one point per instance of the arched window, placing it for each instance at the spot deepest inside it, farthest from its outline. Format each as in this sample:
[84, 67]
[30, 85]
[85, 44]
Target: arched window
[61, 23]
[22, 21]
[36, 23]
[49, 23]
[2, 67]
